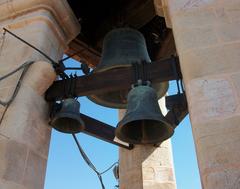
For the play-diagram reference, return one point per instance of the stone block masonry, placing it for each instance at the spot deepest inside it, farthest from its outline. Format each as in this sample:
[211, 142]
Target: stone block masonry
[24, 132]
[207, 38]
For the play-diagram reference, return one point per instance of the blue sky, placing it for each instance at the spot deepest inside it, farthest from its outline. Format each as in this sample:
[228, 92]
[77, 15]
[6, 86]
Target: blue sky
[67, 170]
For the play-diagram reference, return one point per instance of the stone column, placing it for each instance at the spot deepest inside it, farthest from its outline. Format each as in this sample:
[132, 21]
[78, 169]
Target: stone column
[24, 132]
[208, 43]
[146, 166]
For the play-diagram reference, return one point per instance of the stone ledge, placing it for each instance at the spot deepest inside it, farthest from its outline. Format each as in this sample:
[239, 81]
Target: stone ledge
[61, 12]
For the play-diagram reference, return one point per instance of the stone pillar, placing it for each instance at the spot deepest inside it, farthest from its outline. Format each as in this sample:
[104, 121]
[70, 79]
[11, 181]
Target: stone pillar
[24, 132]
[208, 43]
[146, 166]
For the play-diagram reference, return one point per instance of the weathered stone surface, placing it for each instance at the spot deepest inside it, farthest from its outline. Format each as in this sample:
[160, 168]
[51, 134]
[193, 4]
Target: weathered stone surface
[44, 73]
[213, 99]
[228, 32]
[131, 179]
[24, 132]
[154, 185]
[213, 136]
[2, 110]
[10, 185]
[207, 40]
[194, 18]
[203, 37]
[61, 13]
[35, 171]
[160, 157]
[15, 158]
[31, 124]
[223, 179]
[3, 145]
[210, 61]
[235, 78]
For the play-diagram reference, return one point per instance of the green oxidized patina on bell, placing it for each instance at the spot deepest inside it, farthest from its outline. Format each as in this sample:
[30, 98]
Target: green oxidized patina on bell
[121, 48]
[68, 119]
[143, 122]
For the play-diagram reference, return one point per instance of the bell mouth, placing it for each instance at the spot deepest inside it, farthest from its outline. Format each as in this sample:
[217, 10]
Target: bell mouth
[68, 123]
[144, 131]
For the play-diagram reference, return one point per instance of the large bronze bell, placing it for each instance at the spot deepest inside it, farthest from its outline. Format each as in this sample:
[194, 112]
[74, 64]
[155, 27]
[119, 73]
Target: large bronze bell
[121, 48]
[68, 119]
[143, 122]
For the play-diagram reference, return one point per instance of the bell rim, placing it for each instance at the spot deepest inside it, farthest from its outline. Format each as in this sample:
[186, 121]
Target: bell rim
[97, 100]
[82, 124]
[121, 124]
[101, 102]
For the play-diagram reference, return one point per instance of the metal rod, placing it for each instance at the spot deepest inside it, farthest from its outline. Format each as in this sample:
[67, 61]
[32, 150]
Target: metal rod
[70, 56]
[102, 131]
[30, 45]
[72, 68]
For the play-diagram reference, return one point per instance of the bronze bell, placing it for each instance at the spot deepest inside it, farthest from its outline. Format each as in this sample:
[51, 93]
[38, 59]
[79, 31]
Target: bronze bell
[68, 119]
[121, 48]
[143, 122]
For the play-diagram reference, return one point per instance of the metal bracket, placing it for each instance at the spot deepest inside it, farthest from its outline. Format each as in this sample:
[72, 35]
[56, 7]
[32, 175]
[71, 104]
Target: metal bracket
[177, 105]
[122, 78]
[116, 79]
[102, 131]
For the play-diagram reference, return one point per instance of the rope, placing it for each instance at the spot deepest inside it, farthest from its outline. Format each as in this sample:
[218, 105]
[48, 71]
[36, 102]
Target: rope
[136, 72]
[55, 65]
[116, 163]
[141, 74]
[24, 66]
[90, 164]
[87, 160]
[18, 86]
[30, 45]
[17, 69]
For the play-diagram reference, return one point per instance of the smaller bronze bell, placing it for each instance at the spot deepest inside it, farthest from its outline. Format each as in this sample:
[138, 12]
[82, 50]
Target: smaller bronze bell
[68, 119]
[143, 122]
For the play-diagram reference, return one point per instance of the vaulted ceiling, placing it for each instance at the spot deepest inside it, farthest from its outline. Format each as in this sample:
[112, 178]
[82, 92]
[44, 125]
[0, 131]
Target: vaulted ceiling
[97, 17]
